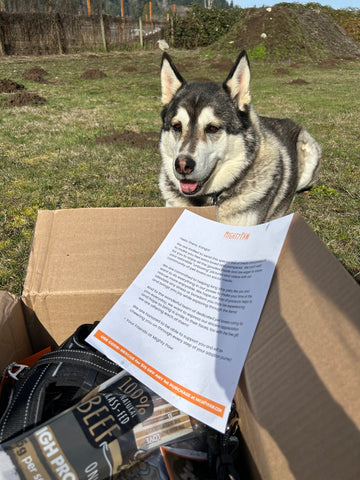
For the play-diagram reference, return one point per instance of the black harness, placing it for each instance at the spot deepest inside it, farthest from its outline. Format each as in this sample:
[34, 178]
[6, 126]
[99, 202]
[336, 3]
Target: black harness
[56, 382]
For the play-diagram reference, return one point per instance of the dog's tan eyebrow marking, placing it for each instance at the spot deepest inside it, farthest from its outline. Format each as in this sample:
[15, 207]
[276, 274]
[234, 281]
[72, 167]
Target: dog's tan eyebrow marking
[181, 116]
[207, 117]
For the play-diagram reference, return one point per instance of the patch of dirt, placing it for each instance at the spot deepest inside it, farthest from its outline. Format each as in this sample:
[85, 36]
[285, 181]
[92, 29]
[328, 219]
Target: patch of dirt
[322, 29]
[298, 81]
[92, 74]
[281, 71]
[8, 86]
[129, 68]
[24, 98]
[223, 65]
[330, 63]
[295, 32]
[185, 66]
[139, 140]
[35, 74]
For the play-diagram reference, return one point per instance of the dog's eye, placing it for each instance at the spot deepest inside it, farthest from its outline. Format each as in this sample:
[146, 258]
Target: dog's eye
[212, 129]
[177, 127]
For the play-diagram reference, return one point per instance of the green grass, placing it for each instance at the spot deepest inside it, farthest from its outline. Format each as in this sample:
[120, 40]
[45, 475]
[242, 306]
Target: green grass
[49, 157]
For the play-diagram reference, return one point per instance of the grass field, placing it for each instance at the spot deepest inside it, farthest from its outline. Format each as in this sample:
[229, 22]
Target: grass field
[51, 156]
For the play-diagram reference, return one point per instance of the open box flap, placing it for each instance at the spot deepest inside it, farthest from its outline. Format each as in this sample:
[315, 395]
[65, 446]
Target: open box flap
[299, 394]
[82, 260]
[21, 332]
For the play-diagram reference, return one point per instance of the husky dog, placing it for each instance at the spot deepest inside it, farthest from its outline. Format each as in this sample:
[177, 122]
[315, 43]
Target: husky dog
[216, 150]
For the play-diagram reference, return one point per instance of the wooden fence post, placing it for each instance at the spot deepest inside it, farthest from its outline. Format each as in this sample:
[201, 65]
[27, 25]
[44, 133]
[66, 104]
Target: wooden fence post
[2, 43]
[171, 31]
[141, 33]
[58, 33]
[103, 32]
[118, 28]
[89, 8]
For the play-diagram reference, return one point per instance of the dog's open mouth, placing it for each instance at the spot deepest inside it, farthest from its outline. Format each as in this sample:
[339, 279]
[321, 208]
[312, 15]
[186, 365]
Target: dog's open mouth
[189, 187]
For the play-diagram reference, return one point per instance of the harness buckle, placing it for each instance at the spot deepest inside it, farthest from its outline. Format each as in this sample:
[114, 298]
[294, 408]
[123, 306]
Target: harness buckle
[214, 197]
[14, 369]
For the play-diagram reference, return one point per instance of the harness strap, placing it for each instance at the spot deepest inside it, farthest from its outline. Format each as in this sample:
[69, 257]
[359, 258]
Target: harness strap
[57, 381]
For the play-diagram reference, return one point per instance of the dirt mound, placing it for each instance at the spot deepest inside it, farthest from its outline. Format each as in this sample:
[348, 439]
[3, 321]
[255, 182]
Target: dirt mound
[129, 68]
[224, 65]
[24, 98]
[139, 140]
[298, 81]
[283, 33]
[322, 29]
[8, 86]
[281, 71]
[93, 73]
[35, 74]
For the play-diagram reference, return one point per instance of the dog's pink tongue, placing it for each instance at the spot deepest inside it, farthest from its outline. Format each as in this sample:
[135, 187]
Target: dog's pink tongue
[188, 186]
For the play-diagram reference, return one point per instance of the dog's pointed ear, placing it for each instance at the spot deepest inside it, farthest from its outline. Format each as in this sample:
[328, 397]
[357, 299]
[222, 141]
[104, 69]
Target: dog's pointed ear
[171, 80]
[238, 81]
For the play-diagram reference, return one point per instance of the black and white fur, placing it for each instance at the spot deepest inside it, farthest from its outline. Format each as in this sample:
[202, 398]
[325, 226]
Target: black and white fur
[215, 149]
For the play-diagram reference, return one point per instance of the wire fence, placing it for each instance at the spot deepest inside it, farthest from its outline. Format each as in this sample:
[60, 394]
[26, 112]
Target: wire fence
[43, 33]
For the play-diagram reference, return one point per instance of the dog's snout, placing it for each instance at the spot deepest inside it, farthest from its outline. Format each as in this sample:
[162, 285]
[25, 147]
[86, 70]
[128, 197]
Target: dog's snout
[184, 164]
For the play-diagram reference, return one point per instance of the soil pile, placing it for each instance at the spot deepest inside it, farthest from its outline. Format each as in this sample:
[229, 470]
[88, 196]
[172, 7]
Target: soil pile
[8, 86]
[35, 74]
[139, 140]
[282, 32]
[21, 99]
[92, 74]
[298, 81]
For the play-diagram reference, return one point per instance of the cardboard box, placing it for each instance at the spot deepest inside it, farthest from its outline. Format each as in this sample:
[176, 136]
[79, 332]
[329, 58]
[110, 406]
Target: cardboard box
[82, 260]
[299, 393]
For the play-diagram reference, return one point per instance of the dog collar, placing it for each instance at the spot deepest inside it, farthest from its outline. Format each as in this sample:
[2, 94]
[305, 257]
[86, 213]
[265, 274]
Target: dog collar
[214, 197]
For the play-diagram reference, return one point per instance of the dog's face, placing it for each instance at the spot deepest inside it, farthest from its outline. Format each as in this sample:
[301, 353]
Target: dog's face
[207, 138]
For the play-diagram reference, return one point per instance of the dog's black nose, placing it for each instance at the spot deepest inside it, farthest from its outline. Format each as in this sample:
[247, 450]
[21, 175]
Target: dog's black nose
[184, 164]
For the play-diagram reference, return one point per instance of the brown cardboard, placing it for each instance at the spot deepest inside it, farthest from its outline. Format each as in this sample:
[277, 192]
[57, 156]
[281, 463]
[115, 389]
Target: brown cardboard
[82, 260]
[299, 393]
[14, 339]
[21, 333]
